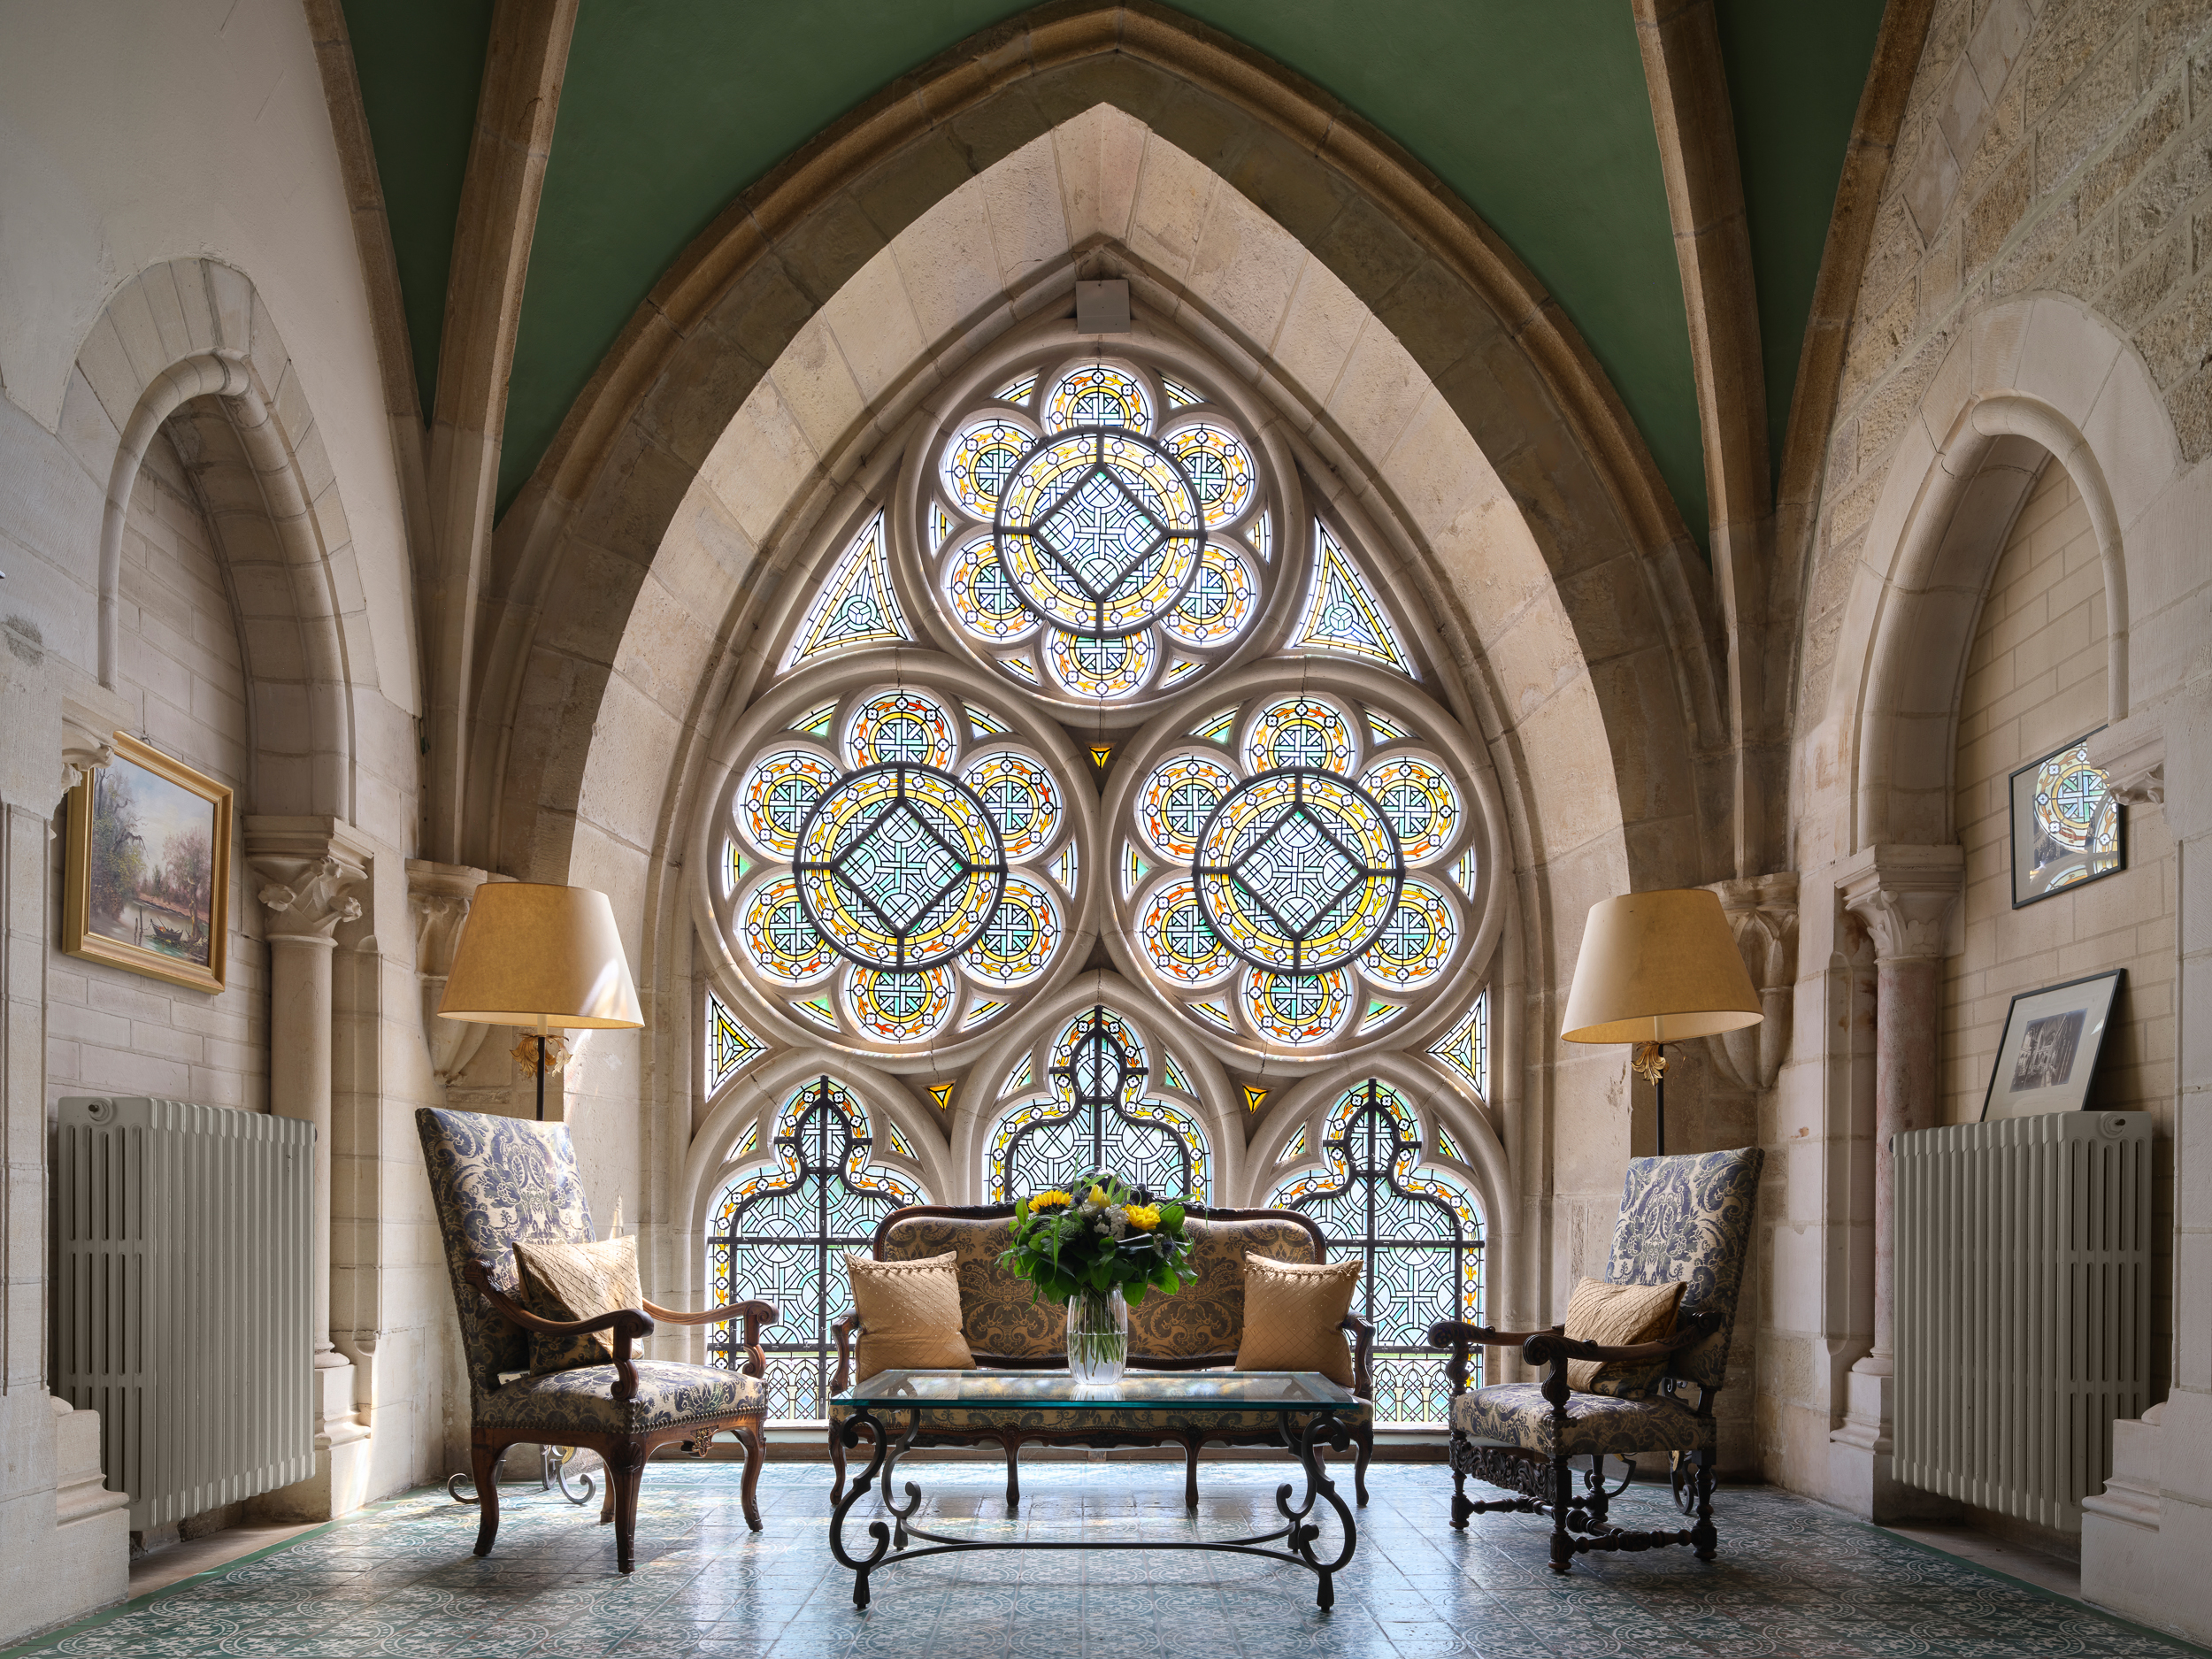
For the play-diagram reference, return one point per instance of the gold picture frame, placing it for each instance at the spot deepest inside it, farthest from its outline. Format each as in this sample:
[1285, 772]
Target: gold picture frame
[146, 883]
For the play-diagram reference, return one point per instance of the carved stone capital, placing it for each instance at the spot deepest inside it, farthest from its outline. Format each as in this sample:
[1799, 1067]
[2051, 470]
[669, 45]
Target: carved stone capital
[1761, 912]
[88, 736]
[2131, 754]
[439, 896]
[306, 866]
[1906, 897]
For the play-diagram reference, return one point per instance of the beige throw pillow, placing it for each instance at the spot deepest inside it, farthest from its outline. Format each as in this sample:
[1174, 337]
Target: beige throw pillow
[1291, 1313]
[1619, 1316]
[910, 1315]
[576, 1281]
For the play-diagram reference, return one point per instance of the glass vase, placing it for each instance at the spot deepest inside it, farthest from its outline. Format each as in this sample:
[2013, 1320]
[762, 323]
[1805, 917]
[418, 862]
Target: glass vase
[1098, 1338]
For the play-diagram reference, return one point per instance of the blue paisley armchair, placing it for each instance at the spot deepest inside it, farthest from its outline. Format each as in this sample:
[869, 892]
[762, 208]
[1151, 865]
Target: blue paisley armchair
[500, 1181]
[1681, 1217]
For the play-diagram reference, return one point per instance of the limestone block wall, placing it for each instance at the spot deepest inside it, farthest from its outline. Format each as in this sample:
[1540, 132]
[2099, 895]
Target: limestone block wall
[181, 676]
[2063, 146]
[2036, 679]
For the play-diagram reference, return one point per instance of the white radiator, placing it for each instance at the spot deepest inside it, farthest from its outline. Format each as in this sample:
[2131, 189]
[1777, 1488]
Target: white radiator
[2023, 1309]
[181, 1297]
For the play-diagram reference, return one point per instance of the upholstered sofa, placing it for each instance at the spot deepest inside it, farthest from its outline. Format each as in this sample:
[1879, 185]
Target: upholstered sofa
[1007, 1328]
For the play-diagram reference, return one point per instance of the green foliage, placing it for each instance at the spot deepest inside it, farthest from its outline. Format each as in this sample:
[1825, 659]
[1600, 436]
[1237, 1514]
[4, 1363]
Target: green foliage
[1064, 1250]
[118, 854]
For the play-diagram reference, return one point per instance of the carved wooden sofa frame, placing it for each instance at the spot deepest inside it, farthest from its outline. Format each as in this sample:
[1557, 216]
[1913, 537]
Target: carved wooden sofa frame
[845, 1329]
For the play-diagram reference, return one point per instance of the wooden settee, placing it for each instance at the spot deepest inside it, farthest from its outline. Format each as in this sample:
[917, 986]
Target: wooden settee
[1007, 1328]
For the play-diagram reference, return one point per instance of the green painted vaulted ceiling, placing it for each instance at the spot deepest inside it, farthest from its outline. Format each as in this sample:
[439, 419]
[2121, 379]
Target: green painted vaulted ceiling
[1534, 111]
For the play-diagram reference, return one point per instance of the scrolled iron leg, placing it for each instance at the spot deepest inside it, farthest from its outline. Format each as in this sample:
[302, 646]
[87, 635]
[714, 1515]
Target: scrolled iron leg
[1327, 1427]
[849, 1435]
[913, 1492]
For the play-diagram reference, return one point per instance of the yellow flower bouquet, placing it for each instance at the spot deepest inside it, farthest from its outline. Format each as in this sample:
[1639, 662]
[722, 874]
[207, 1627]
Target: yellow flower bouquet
[1097, 1251]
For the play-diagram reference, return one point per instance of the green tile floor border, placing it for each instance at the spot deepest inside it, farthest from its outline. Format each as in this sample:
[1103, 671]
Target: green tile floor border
[2177, 1643]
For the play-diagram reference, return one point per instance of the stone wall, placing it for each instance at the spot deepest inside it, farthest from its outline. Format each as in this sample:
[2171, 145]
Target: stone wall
[110, 1031]
[2065, 146]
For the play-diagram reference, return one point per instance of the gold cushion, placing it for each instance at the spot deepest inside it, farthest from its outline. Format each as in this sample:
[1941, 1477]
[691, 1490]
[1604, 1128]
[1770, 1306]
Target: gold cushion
[1291, 1313]
[565, 1281]
[910, 1315]
[1619, 1316]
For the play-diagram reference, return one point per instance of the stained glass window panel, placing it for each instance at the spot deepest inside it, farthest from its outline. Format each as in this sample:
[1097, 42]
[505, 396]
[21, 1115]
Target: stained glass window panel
[856, 606]
[729, 1045]
[1099, 1114]
[2065, 824]
[1343, 614]
[780, 1232]
[1416, 1229]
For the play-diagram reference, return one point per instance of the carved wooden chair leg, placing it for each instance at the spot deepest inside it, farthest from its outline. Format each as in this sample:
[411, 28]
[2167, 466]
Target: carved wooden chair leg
[1013, 1473]
[750, 1437]
[1366, 1441]
[1704, 1538]
[606, 1498]
[837, 1463]
[1462, 1505]
[625, 1467]
[484, 1464]
[1562, 1489]
[1191, 1443]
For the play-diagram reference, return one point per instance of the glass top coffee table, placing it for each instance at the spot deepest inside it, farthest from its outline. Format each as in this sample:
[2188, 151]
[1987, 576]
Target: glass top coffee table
[891, 1407]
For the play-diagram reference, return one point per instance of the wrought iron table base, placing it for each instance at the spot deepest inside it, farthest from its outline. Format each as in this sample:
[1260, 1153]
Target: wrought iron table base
[1297, 1533]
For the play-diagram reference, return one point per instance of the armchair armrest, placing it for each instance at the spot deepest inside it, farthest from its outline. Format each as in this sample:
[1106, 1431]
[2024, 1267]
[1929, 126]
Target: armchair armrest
[754, 1314]
[1463, 1339]
[627, 1324]
[845, 1327]
[1362, 1335]
[1553, 1348]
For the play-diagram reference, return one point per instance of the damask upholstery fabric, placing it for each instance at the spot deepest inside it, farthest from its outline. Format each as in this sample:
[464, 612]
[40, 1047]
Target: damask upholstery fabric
[1690, 1218]
[582, 1401]
[997, 1310]
[1002, 1317]
[1620, 1316]
[497, 1181]
[560, 1280]
[1517, 1414]
[1208, 1318]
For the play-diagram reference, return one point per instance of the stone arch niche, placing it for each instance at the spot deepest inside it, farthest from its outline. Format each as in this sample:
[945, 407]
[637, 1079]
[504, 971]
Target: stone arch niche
[192, 342]
[1438, 405]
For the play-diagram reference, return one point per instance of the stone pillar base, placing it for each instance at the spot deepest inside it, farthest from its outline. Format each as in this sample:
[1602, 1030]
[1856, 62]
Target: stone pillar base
[1861, 1474]
[340, 1484]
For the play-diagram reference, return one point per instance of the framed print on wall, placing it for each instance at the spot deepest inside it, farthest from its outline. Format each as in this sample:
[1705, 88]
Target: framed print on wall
[2048, 1054]
[146, 885]
[2065, 824]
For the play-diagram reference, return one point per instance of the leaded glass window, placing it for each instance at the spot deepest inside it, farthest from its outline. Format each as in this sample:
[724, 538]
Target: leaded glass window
[1298, 870]
[1095, 549]
[1100, 1109]
[1417, 1230]
[899, 867]
[780, 1233]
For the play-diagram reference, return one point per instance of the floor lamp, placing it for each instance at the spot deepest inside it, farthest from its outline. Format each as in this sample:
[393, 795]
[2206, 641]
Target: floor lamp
[1657, 968]
[543, 958]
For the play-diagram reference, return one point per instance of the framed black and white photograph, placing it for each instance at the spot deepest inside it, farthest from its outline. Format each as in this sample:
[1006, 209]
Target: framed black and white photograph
[2065, 824]
[2048, 1054]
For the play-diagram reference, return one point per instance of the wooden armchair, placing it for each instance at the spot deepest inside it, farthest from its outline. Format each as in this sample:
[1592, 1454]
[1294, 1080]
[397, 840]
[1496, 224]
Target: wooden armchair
[1197, 1329]
[1681, 1217]
[497, 1181]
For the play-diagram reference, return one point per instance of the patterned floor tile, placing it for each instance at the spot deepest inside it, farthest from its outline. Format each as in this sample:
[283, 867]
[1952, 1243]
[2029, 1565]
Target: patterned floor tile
[399, 1579]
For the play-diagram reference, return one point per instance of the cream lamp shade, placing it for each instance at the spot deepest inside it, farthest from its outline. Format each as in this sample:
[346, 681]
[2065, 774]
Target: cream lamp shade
[542, 956]
[1658, 967]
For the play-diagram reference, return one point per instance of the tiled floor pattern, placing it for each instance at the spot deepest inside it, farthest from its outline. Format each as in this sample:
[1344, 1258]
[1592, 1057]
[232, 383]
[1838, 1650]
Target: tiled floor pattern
[398, 1578]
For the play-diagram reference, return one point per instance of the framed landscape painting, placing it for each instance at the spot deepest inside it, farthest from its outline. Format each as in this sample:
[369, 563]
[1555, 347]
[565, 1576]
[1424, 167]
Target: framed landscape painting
[147, 883]
[2047, 1057]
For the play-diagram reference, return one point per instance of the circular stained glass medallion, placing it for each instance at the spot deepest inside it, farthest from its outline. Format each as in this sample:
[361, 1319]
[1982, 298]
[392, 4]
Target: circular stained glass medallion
[1098, 396]
[1100, 532]
[1420, 801]
[1298, 870]
[900, 866]
[1300, 732]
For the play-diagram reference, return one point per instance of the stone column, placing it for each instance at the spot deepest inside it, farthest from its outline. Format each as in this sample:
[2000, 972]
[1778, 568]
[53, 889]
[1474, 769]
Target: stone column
[305, 867]
[1905, 896]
